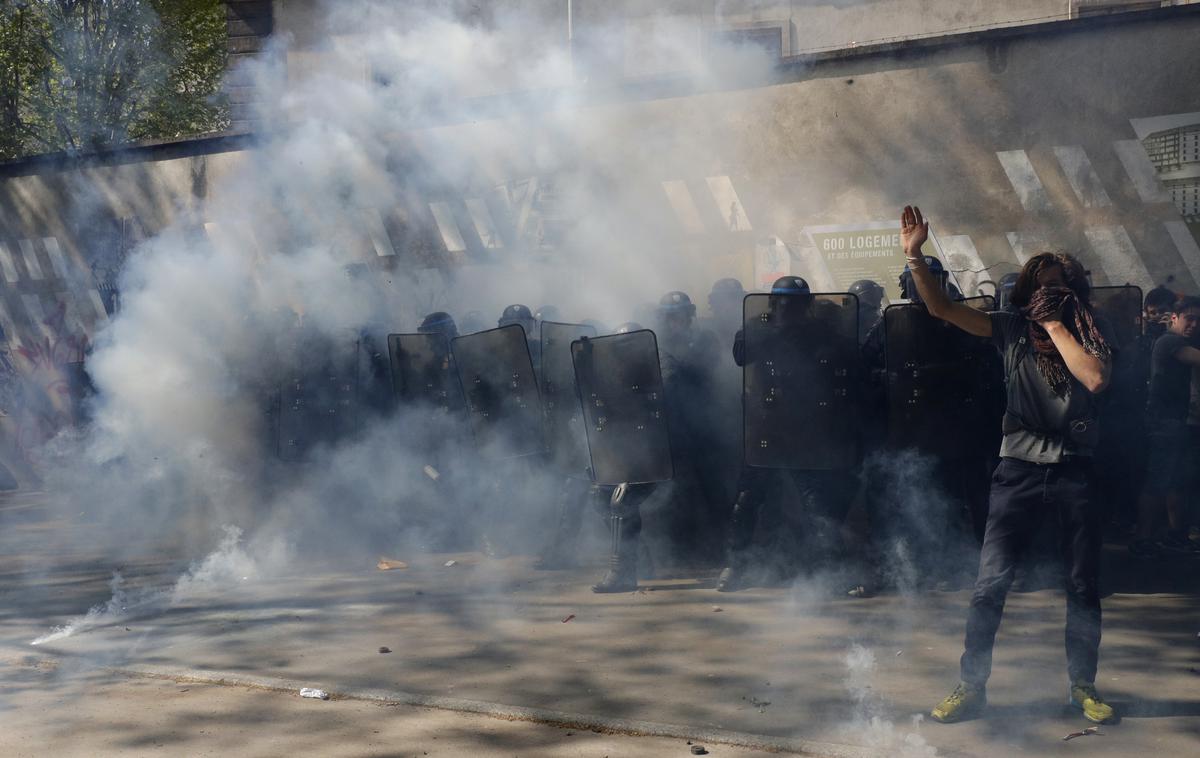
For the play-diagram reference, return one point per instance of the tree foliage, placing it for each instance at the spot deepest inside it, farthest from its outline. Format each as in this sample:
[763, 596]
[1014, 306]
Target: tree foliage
[82, 74]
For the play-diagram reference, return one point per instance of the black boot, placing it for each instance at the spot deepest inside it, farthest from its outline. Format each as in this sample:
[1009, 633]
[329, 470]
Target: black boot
[731, 577]
[741, 532]
[622, 562]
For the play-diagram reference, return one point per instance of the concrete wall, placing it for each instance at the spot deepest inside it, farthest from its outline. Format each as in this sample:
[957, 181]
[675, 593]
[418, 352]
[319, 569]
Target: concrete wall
[1008, 142]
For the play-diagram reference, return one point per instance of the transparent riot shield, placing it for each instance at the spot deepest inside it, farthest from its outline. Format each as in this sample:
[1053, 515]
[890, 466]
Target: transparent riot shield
[985, 303]
[565, 435]
[801, 381]
[318, 402]
[620, 384]
[1121, 308]
[423, 372]
[937, 389]
[501, 391]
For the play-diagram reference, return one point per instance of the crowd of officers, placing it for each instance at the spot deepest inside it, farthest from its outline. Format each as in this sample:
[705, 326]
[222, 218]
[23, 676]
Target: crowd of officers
[925, 433]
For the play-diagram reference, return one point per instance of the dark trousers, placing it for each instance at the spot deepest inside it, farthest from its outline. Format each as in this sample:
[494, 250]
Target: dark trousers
[824, 498]
[1021, 494]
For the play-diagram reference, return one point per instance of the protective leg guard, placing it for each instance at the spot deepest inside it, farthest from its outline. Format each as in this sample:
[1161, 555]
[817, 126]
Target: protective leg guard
[623, 560]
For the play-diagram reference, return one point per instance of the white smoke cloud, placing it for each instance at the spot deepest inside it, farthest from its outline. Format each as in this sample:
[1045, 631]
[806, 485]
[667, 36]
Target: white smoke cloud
[868, 725]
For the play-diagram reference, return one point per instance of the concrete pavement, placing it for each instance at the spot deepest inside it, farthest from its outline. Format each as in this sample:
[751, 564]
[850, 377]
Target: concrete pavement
[797, 665]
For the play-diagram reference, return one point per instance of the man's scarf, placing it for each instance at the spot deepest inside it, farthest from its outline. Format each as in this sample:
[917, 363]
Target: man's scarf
[1046, 303]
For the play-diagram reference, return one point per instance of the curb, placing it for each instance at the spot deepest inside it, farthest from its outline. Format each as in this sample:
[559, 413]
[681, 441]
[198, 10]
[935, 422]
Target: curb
[561, 719]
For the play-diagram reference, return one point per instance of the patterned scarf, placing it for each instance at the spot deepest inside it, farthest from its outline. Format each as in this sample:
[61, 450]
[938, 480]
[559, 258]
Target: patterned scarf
[1046, 303]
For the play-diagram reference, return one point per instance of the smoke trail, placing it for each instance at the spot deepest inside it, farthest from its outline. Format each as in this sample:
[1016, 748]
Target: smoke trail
[226, 566]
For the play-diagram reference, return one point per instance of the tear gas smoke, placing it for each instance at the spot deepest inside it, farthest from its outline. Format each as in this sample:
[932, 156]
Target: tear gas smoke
[868, 725]
[180, 436]
[218, 571]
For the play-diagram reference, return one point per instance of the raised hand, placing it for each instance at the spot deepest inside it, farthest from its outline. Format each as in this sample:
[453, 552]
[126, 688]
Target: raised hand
[914, 230]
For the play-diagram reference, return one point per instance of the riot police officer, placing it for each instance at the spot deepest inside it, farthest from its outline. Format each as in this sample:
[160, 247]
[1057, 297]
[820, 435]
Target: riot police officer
[943, 404]
[688, 356]
[521, 315]
[798, 364]
[870, 305]
[725, 307]
[620, 506]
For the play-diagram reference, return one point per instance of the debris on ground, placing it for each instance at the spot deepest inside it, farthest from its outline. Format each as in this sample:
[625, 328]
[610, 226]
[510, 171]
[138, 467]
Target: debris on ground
[431, 472]
[448, 564]
[384, 649]
[717, 609]
[387, 564]
[1086, 732]
[899, 653]
[314, 693]
[568, 618]
[699, 750]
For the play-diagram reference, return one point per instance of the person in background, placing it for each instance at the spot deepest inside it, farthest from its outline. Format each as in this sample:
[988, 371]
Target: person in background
[1172, 362]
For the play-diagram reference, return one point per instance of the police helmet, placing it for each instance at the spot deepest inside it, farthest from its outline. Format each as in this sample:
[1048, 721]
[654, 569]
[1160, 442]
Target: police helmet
[438, 322]
[1004, 290]
[516, 314]
[726, 288]
[790, 285]
[868, 292]
[676, 302]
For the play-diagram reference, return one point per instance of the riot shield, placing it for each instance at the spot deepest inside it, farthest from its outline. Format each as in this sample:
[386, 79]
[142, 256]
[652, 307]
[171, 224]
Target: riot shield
[801, 381]
[985, 303]
[501, 392]
[423, 372]
[620, 383]
[565, 435]
[935, 375]
[318, 402]
[1121, 308]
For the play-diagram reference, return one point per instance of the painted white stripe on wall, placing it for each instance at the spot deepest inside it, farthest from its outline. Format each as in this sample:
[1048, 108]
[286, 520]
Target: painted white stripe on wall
[37, 314]
[1024, 180]
[1141, 171]
[31, 260]
[963, 261]
[685, 208]
[377, 233]
[485, 225]
[1118, 257]
[1025, 245]
[8, 265]
[97, 305]
[10, 327]
[451, 236]
[1185, 243]
[58, 259]
[728, 202]
[1082, 177]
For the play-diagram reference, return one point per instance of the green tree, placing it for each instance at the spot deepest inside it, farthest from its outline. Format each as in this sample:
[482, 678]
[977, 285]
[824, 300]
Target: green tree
[82, 74]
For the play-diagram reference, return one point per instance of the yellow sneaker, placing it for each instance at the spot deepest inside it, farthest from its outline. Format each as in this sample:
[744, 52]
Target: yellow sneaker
[1084, 697]
[967, 701]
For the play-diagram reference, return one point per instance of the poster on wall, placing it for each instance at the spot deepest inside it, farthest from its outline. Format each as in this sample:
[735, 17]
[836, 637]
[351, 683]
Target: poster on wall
[866, 250]
[772, 259]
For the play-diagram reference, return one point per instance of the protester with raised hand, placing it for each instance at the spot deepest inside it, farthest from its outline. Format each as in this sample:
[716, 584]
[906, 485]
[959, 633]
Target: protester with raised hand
[1056, 360]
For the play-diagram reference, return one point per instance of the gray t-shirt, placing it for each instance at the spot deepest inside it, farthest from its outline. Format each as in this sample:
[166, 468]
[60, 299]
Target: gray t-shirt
[1038, 423]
